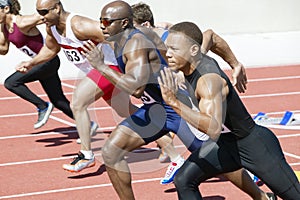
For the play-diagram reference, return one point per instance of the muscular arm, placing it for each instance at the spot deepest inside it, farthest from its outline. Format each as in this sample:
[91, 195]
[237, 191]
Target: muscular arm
[210, 91]
[136, 56]
[28, 22]
[48, 51]
[87, 29]
[213, 42]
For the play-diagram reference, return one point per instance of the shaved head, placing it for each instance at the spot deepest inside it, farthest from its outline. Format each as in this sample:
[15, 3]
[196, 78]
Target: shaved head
[46, 3]
[118, 9]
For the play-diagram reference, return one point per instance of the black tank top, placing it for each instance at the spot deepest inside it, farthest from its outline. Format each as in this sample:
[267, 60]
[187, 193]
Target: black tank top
[237, 118]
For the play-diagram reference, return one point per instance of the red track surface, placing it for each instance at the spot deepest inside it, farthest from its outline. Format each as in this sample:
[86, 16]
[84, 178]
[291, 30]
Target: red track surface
[31, 159]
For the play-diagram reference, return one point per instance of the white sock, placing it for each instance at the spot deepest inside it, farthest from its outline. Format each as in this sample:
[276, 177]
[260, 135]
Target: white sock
[87, 154]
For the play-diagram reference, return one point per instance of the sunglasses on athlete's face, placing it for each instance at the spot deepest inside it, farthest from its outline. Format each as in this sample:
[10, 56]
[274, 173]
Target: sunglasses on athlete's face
[107, 22]
[44, 12]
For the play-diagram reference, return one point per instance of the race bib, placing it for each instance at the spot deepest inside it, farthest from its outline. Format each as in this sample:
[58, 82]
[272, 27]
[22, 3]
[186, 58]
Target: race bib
[147, 99]
[25, 49]
[74, 56]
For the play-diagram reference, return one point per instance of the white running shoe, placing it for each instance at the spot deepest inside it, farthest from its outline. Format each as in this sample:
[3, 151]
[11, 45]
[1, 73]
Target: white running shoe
[79, 163]
[43, 116]
[93, 132]
[171, 171]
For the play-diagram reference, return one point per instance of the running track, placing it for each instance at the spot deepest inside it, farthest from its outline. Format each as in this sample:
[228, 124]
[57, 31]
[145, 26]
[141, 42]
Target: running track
[30, 166]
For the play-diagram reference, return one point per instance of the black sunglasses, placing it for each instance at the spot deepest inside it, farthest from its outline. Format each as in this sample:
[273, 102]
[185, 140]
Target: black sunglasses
[44, 12]
[107, 22]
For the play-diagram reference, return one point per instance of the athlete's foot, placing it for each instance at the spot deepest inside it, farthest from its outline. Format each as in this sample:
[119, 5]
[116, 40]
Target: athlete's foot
[43, 116]
[171, 171]
[79, 163]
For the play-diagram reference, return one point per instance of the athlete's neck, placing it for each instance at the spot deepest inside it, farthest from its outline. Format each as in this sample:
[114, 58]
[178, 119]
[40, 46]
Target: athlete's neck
[61, 27]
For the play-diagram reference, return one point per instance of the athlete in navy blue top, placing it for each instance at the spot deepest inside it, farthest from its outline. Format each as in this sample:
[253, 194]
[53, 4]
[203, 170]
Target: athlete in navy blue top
[247, 145]
[140, 61]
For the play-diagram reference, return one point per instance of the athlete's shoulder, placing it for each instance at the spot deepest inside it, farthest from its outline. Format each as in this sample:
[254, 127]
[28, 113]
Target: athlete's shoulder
[86, 28]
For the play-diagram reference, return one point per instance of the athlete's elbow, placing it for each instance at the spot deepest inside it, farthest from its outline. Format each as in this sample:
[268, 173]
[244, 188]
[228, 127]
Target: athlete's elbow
[3, 52]
[214, 135]
[214, 131]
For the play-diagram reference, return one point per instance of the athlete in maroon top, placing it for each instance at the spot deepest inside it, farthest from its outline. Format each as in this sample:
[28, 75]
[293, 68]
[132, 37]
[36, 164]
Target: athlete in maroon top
[21, 30]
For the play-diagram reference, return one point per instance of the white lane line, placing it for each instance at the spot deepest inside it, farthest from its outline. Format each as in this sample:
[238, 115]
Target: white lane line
[40, 95]
[35, 161]
[83, 188]
[291, 155]
[68, 85]
[69, 157]
[108, 128]
[62, 121]
[294, 164]
[283, 127]
[112, 127]
[99, 154]
[74, 188]
[288, 136]
[54, 112]
[249, 80]
[274, 79]
[41, 160]
[269, 95]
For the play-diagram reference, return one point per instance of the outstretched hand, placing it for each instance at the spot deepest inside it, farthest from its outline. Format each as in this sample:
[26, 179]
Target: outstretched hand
[93, 55]
[168, 85]
[239, 78]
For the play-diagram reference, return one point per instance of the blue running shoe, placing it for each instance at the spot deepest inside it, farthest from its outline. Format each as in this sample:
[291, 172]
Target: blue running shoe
[43, 116]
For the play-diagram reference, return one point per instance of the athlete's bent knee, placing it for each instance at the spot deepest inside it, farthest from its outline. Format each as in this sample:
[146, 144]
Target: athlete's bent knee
[9, 85]
[108, 154]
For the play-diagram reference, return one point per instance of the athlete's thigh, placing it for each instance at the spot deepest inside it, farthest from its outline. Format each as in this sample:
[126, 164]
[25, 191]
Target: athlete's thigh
[216, 157]
[125, 138]
[261, 154]
[86, 92]
[31, 76]
[148, 122]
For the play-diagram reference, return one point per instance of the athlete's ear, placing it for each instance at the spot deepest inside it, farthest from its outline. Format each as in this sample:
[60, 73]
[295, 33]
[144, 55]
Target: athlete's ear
[7, 9]
[146, 24]
[195, 49]
[125, 23]
[57, 8]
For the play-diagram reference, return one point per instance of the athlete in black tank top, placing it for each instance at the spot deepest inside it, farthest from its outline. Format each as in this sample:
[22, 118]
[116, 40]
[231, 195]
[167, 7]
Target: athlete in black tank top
[248, 145]
[237, 120]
